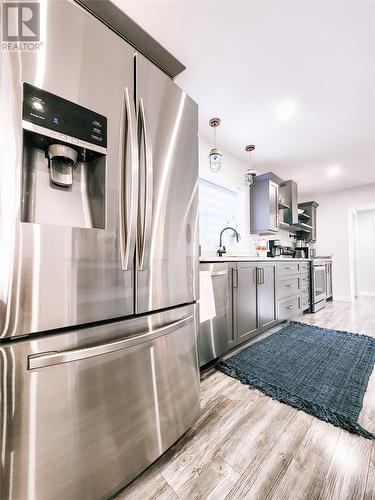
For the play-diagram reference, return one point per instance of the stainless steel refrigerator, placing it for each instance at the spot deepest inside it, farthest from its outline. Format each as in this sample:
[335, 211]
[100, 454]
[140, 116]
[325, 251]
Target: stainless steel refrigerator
[98, 253]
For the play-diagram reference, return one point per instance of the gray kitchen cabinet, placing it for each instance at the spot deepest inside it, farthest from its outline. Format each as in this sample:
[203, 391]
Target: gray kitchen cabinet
[264, 204]
[267, 311]
[255, 301]
[310, 209]
[290, 280]
[246, 301]
[289, 202]
[329, 292]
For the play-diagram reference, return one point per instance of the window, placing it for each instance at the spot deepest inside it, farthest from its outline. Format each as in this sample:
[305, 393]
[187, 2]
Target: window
[219, 207]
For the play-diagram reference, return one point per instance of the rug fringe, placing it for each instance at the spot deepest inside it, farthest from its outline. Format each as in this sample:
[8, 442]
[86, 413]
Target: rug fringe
[301, 404]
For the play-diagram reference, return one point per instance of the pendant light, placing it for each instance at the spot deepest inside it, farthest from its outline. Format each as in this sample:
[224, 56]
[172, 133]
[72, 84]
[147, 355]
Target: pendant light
[215, 155]
[250, 172]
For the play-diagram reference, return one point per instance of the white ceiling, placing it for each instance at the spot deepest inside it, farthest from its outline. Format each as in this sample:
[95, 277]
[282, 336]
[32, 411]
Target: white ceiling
[295, 78]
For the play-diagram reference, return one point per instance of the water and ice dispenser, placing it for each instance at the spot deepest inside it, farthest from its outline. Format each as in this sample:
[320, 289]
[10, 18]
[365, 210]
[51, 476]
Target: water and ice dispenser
[64, 161]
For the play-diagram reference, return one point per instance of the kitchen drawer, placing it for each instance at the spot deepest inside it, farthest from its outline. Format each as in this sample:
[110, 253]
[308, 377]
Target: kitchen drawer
[288, 268]
[288, 286]
[305, 267]
[289, 307]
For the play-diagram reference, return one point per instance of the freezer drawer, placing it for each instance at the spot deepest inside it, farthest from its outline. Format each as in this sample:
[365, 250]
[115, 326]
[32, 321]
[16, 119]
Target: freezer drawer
[85, 412]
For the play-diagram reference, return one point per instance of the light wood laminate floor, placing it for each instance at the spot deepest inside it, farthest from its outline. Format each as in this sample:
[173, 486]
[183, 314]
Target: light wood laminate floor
[246, 445]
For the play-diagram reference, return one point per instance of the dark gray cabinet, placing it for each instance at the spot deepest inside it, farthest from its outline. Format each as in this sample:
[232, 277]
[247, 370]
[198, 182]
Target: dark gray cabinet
[246, 303]
[267, 312]
[254, 299]
[264, 204]
[289, 202]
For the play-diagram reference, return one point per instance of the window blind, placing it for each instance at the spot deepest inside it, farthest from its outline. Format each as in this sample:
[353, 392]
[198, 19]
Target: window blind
[218, 207]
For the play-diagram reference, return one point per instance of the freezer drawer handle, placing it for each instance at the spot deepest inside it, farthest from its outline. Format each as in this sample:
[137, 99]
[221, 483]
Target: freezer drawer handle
[43, 360]
[128, 175]
[147, 186]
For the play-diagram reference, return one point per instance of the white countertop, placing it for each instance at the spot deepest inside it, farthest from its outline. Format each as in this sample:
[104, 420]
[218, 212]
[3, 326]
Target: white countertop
[233, 258]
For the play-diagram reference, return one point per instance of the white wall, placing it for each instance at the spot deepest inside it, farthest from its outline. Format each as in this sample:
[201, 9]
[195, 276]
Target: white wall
[232, 176]
[366, 252]
[333, 231]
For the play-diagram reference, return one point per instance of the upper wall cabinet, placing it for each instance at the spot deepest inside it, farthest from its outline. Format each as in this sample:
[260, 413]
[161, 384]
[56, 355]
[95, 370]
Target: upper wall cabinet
[264, 204]
[288, 203]
[309, 213]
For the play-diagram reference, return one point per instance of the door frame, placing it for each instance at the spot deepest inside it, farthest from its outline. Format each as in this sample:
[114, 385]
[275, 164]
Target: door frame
[353, 246]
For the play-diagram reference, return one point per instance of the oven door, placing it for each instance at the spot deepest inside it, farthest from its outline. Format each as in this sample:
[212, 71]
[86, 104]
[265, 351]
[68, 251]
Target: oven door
[319, 283]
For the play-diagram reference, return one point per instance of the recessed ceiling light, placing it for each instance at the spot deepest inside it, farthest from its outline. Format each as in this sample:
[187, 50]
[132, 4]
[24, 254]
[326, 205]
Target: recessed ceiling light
[285, 110]
[333, 171]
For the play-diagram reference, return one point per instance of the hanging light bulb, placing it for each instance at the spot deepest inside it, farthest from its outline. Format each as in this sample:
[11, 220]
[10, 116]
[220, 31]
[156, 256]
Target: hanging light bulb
[250, 172]
[215, 155]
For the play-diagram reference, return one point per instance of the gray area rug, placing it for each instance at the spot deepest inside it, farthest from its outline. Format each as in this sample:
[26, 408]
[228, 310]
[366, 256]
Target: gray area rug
[320, 371]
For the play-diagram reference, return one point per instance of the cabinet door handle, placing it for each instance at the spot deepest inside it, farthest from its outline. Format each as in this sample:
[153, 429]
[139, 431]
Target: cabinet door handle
[259, 275]
[235, 278]
[262, 275]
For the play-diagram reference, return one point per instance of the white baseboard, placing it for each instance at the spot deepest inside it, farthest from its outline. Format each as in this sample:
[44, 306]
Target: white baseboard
[342, 298]
[367, 294]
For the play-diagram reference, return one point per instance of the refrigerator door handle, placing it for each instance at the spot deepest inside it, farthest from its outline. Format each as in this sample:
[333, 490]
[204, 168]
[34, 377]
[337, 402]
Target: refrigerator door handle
[52, 358]
[147, 176]
[128, 198]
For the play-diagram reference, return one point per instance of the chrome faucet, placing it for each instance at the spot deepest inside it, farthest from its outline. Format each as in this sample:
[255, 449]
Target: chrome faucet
[221, 246]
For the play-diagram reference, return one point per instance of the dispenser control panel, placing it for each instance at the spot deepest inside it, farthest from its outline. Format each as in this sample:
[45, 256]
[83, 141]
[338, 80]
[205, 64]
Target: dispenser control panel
[55, 113]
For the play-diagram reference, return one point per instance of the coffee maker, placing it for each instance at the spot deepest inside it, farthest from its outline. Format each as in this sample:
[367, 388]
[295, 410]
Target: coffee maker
[274, 248]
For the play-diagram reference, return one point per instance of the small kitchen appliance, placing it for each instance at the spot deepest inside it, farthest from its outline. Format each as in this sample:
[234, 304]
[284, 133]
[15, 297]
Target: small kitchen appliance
[287, 251]
[274, 248]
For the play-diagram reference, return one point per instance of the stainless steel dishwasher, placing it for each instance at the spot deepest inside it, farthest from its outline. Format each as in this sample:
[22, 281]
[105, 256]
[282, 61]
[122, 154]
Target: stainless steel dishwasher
[216, 332]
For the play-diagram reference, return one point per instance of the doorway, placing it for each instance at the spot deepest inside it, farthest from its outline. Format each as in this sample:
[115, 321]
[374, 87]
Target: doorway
[362, 249]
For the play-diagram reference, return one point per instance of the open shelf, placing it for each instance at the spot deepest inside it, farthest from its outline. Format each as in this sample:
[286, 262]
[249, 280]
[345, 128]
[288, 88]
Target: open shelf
[294, 228]
[304, 226]
[304, 216]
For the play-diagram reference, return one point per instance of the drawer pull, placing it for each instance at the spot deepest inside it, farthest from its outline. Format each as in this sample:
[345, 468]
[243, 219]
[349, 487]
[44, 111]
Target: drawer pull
[291, 307]
[289, 286]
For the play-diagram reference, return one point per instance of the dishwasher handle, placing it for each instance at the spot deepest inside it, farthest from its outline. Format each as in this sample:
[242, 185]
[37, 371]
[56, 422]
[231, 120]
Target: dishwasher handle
[52, 358]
